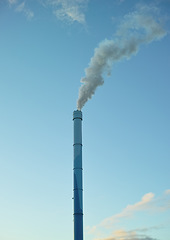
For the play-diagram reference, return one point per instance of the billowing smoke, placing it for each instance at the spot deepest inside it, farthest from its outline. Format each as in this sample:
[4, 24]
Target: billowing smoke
[140, 27]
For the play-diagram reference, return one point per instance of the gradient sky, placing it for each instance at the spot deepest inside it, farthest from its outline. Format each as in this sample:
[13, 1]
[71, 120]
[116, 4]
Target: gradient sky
[45, 46]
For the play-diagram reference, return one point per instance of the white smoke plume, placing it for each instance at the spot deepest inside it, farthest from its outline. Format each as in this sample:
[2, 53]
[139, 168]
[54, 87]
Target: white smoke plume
[140, 27]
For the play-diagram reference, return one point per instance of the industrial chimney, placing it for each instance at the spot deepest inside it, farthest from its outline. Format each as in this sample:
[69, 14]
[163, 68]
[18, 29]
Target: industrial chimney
[77, 177]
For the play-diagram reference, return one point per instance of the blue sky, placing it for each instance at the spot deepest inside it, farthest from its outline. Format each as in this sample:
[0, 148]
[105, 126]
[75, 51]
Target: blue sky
[45, 47]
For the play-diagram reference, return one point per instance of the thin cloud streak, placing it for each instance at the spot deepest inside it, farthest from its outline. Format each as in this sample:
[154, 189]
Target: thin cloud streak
[68, 10]
[121, 234]
[148, 203]
[144, 204]
[27, 12]
[20, 7]
[167, 191]
[11, 2]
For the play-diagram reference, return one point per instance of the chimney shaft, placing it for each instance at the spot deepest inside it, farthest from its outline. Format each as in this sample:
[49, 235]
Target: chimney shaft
[77, 178]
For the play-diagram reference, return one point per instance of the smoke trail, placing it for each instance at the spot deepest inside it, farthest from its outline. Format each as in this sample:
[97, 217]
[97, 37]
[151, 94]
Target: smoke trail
[139, 27]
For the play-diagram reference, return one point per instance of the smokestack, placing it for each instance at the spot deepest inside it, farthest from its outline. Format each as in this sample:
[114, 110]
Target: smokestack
[77, 178]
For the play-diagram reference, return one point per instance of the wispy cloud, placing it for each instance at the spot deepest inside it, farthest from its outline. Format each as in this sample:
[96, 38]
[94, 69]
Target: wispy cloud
[122, 234]
[21, 7]
[148, 203]
[11, 2]
[167, 191]
[130, 209]
[27, 12]
[68, 10]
